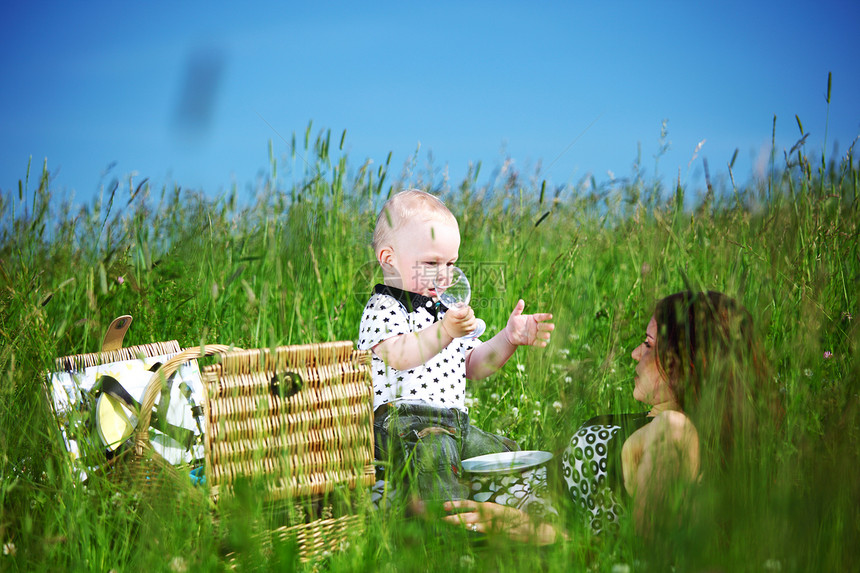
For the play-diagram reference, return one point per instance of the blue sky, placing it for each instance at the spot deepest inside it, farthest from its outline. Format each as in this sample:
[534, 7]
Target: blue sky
[578, 86]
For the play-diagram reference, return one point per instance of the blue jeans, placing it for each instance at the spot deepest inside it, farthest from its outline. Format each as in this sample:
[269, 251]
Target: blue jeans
[425, 444]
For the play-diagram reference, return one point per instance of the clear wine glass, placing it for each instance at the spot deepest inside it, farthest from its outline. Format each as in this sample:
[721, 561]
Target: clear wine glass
[454, 290]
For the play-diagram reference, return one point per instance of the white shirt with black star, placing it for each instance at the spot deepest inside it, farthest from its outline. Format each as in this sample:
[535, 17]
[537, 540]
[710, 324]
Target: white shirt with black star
[441, 381]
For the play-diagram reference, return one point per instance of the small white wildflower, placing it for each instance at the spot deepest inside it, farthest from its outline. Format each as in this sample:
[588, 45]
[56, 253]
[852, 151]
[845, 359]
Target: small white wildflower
[521, 367]
[612, 370]
[537, 403]
[9, 548]
[808, 373]
[556, 406]
[467, 561]
[178, 565]
[537, 413]
[772, 565]
[568, 379]
[565, 351]
[515, 411]
[494, 397]
[586, 346]
[621, 568]
[574, 336]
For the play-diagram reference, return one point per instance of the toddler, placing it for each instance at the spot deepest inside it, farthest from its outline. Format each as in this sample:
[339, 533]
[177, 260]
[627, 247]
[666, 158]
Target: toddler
[420, 359]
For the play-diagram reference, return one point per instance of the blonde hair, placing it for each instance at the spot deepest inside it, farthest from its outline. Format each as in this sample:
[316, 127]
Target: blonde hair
[408, 206]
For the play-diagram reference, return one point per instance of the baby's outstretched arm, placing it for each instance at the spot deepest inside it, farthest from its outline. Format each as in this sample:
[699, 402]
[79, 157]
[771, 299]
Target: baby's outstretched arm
[521, 330]
[410, 350]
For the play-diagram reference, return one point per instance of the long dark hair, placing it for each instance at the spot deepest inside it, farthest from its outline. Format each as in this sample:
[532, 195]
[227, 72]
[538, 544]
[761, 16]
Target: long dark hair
[712, 358]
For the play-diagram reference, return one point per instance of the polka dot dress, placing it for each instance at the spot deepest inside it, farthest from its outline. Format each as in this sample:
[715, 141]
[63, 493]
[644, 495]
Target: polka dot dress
[441, 381]
[591, 467]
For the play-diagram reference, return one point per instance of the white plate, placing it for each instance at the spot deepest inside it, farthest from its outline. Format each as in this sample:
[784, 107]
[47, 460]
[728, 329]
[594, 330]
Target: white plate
[114, 422]
[506, 462]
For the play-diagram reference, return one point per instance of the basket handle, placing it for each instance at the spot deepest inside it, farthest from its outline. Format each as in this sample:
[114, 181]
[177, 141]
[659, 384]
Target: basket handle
[153, 389]
[116, 332]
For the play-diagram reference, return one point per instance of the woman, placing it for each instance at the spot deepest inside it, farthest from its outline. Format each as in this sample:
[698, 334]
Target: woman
[700, 369]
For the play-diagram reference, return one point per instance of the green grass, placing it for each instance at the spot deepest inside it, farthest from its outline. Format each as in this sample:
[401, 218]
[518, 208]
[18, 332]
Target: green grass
[294, 265]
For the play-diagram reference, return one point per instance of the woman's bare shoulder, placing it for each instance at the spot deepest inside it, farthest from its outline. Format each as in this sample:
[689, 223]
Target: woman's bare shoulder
[674, 426]
[671, 425]
[669, 440]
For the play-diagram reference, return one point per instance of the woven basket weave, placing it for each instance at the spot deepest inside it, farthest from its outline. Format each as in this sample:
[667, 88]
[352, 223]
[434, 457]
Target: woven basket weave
[299, 421]
[81, 361]
[305, 442]
[142, 467]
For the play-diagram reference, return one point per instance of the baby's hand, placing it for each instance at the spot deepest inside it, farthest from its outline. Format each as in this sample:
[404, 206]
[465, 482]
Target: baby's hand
[459, 321]
[528, 329]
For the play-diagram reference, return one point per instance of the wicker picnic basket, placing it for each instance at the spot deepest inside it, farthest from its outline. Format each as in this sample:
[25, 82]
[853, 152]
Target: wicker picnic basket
[297, 420]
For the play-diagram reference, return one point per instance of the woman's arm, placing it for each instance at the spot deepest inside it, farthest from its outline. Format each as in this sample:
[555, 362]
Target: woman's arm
[658, 461]
[489, 517]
